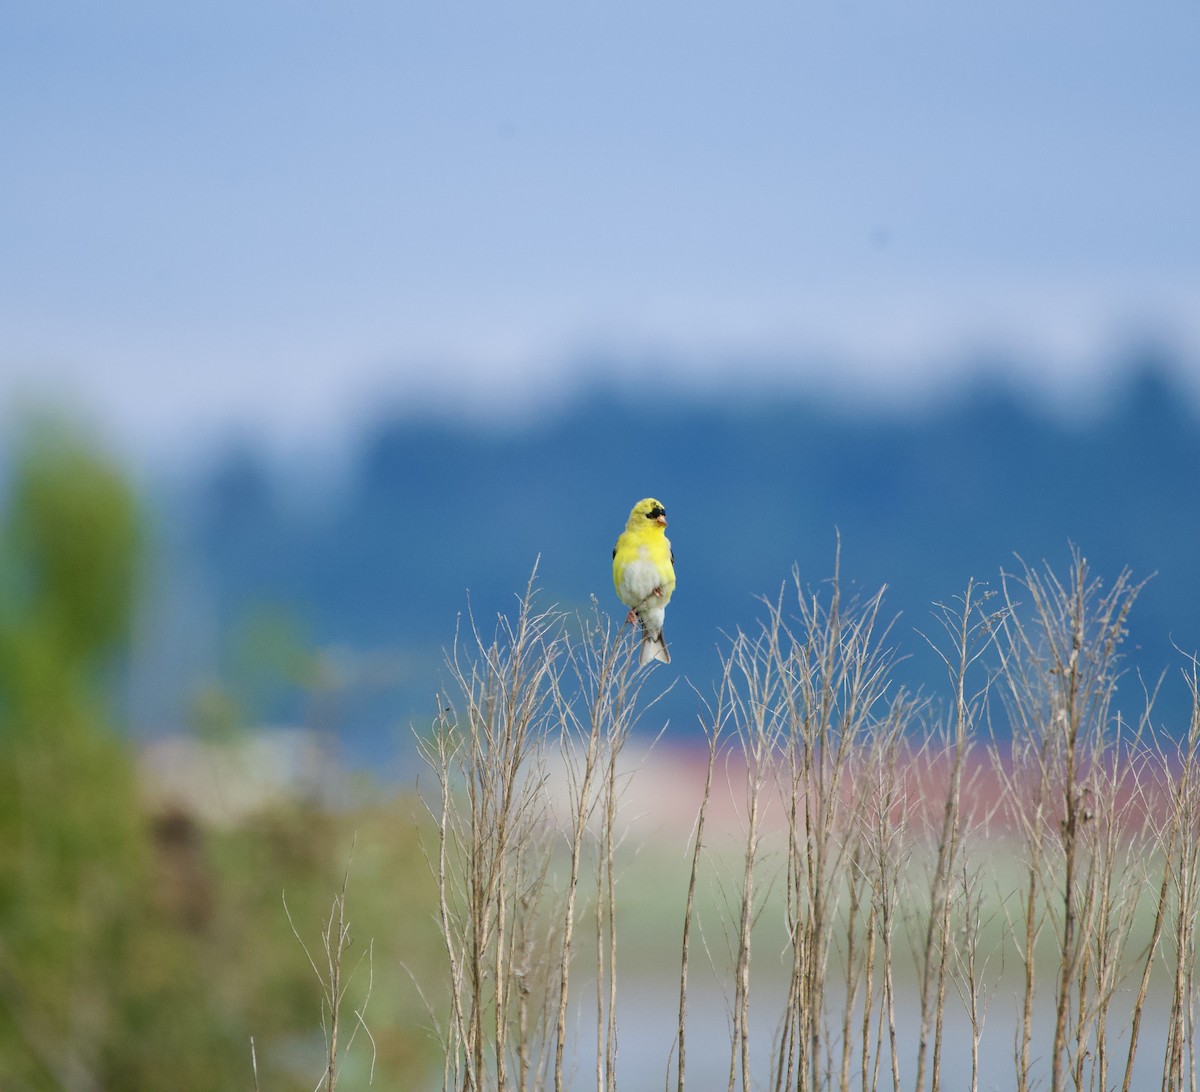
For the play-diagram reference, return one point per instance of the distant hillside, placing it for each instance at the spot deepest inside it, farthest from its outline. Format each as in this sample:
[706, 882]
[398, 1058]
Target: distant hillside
[432, 509]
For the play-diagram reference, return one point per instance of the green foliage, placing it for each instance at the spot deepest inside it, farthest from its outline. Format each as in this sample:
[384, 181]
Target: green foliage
[137, 949]
[71, 845]
[73, 532]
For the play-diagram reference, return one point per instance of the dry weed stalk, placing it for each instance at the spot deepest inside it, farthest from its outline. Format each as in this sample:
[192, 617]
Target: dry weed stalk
[857, 829]
[835, 670]
[525, 757]
[713, 721]
[886, 831]
[821, 739]
[1066, 790]
[969, 965]
[1179, 901]
[595, 716]
[493, 851]
[758, 724]
[969, 629]
[336, 942]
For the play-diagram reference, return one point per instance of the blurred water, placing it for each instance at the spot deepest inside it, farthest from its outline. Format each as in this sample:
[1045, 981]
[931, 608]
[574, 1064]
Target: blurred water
[648, 1018]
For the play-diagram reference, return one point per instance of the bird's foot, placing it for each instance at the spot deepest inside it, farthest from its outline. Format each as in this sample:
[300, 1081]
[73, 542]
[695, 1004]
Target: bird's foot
[631, 618]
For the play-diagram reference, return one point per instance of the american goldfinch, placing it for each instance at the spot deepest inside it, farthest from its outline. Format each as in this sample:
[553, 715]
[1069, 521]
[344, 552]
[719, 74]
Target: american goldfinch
[644, 574]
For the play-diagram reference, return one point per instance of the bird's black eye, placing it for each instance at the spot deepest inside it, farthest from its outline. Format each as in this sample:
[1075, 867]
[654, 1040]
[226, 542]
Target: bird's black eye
[656, 511]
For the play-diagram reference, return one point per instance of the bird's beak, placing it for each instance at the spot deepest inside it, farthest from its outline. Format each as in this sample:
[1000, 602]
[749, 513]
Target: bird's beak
[662, 520]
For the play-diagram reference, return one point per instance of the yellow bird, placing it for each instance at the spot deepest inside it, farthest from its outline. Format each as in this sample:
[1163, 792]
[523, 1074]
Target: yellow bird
[644, 574]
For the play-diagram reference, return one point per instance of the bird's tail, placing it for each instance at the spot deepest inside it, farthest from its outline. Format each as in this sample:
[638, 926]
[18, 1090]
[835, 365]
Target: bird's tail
[653, 648]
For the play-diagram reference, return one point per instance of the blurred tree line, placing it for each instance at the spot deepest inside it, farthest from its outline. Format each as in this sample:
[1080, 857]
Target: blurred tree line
[140, 949]
[924, 497]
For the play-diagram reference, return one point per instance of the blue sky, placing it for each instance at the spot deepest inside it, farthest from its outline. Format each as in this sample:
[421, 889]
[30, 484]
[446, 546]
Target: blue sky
[268, 216]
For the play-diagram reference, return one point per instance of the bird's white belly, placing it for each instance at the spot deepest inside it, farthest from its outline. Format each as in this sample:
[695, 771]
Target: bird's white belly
[638, 582]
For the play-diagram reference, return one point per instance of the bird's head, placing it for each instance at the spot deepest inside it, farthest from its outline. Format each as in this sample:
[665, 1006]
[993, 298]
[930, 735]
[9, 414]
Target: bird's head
[648, 512]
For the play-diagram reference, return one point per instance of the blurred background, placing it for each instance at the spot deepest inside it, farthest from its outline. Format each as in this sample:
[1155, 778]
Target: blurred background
[320, 324]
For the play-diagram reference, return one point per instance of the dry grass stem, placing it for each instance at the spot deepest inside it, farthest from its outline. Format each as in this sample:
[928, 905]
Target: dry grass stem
[525, 756]
[894, 865]
[336, 942]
